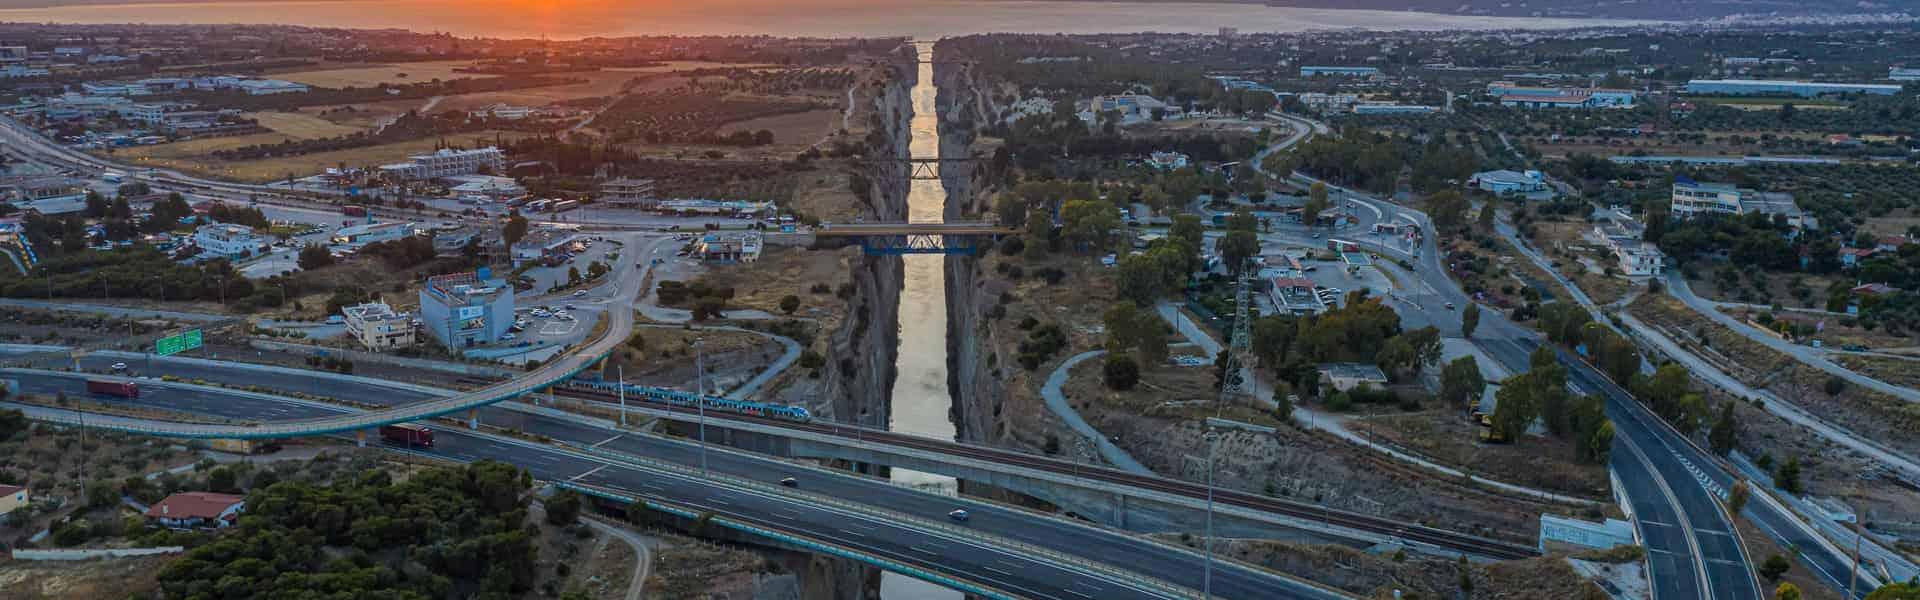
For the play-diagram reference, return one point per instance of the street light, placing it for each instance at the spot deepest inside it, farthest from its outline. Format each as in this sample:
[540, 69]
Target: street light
[700, 399]
[1206, 578]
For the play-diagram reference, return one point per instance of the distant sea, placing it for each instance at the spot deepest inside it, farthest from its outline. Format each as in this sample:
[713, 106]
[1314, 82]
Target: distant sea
[924, 19]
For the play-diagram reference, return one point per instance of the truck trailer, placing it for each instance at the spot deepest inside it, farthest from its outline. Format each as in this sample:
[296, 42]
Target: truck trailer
[407, 434]
[121, 389]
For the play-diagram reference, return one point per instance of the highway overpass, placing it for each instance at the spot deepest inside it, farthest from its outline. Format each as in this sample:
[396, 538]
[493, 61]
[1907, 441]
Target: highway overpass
[1005, 556]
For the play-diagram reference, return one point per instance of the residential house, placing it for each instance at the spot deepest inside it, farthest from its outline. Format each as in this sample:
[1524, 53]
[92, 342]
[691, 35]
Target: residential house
[1635, 257]
[1346, 376]
[12, 497]
[1890, 243]
[1852, 257]
[378, 327]
[1294, 295]
[226, 240]
[191, 510]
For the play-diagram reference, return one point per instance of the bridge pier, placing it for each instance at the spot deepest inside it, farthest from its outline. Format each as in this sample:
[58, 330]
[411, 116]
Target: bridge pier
[473, 418]
[360, 438]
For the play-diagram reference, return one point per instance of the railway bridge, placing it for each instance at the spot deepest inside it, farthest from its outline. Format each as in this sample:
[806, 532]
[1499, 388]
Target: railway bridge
[894, 239]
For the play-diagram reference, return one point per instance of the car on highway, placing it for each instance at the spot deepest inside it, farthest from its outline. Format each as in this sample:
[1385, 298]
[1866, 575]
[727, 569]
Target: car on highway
[119, 366]
[1449, 306]
[579, 293]
[790, 482]
[570, 306]
[958, 514]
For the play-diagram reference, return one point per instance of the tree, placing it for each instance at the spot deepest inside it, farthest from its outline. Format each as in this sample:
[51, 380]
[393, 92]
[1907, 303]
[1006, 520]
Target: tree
[515, 230]
[314, 256]
[1726, 431]
[1516, 409]
[1461, 382]
[1897, 591]
[1010, 210]
[1469, 319]
[223, 480]
[1140, 279]
[1787, 477]
[1786, 591]
[573, 275]
[96, 207]
[1189, 230]
[1774, 567]
[1039, 233]
[1120, 372]
[1237, 248]
[789, 303]
[1282, 405]
[563, 508]
[1089, 223]
[1737, 497]
[1448, 210]
[1316, 202]
[1395, 356]
[1130, 329]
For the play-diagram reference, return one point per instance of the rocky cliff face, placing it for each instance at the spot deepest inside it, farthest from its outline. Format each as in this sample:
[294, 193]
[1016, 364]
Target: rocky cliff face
[859, 379]
[977, 390]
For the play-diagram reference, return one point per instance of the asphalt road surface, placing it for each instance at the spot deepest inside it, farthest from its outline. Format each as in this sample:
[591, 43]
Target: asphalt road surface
[1023, 576]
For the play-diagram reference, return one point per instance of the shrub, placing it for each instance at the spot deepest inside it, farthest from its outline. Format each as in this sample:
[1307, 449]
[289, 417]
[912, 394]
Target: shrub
[1120, 372]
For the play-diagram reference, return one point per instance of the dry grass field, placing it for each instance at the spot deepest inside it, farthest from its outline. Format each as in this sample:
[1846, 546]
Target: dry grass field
[300, 125]
[195, 156]
[372, 74]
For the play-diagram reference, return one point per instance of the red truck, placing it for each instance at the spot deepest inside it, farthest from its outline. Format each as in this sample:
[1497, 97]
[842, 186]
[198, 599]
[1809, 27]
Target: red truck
[353, 210]
[1342, 246]
[407, 433]
[123, 389]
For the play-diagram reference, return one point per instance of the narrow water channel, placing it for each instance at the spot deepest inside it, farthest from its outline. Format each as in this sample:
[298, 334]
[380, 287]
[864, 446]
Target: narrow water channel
[921, 399]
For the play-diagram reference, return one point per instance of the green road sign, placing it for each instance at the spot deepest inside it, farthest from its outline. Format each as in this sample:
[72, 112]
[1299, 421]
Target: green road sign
[175, 344]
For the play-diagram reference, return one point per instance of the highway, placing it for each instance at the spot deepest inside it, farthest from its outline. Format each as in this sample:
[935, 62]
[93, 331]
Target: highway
[296, 381]
[1691, 551]
[600, 462]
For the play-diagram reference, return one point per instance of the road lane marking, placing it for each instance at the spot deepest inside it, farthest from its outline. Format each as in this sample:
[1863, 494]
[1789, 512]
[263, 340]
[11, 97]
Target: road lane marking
[582, 475]
[597, 444]
[997, 571]
[1655, 523]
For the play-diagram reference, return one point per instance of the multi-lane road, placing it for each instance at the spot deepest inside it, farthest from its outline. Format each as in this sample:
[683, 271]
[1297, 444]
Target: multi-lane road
[603, 461]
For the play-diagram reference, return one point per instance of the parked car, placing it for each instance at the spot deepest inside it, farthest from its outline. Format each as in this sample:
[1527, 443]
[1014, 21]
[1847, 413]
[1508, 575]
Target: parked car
[119, 366]
[509, 336]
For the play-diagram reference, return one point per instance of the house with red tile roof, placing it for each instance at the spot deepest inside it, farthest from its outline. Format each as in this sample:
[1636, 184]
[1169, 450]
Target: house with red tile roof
[189, 510]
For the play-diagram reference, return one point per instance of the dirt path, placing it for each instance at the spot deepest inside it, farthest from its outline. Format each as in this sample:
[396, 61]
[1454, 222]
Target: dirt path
[642, 549]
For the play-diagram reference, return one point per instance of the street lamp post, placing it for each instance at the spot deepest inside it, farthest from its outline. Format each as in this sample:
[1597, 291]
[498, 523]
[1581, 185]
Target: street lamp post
[621, 370]
[1206, 578]
[700, 399]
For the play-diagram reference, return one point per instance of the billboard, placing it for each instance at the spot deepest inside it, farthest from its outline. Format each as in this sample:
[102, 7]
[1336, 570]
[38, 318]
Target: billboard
[175, 344]
[469, 318]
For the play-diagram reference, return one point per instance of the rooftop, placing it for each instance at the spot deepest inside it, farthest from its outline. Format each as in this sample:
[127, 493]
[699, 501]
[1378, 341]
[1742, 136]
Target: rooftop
[1354, 371]
[193, 505]
[371, 311]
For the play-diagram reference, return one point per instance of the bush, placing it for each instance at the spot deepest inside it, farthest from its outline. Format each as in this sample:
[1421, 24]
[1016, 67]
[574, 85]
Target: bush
[1120, 372]
[1834, 385]
[1774, 567]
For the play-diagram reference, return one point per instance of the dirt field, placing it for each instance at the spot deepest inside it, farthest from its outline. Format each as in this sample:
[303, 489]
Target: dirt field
[299, 125]
[792, 132]
[784, 270]
[194, 156]
[52, 580]
[363, 116]
[1588, 264]
[340, 76]
[1447, 437]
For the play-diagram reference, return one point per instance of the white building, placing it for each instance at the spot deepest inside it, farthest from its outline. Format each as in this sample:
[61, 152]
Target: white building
[446, 162]
[1328, 102]
[1635, 258]
[729, 246]
[378, 327]
[13, 54]
[1692, 199]
[20, 71]
[373, 233]
[1390, 108]
[226, 240]
[502, 111]
[113, 89]
[486, 188]
[1528, 184]
[268, 87]
[1167, 161]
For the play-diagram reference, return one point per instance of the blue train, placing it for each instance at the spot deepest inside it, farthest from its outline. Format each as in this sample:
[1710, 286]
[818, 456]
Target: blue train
[679, 398]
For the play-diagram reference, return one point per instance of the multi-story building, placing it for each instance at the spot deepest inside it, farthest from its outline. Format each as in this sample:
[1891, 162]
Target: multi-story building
[627, 191]
[1771, 87]
[446, 162]
[1328, 103]
[1692, 199]
[463, 310]
[544, 246]
[1339, 71]
[226, 240]
[378, 327]
[1635, 257]
[113, 89]
[13, 54]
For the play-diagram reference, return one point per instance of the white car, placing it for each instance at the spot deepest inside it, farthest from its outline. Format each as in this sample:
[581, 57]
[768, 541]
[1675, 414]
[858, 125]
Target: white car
[119, 366]
[541, 313]
[563, 315]
[579, 293]
[508, 336]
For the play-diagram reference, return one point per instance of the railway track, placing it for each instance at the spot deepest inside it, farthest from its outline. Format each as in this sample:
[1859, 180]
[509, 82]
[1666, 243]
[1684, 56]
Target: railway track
[1461, 542]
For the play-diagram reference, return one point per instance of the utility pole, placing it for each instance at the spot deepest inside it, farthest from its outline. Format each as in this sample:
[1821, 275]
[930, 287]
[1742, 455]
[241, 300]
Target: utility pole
[700, 399]
[622, 371]
[1853, 571]
[1206, 577]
